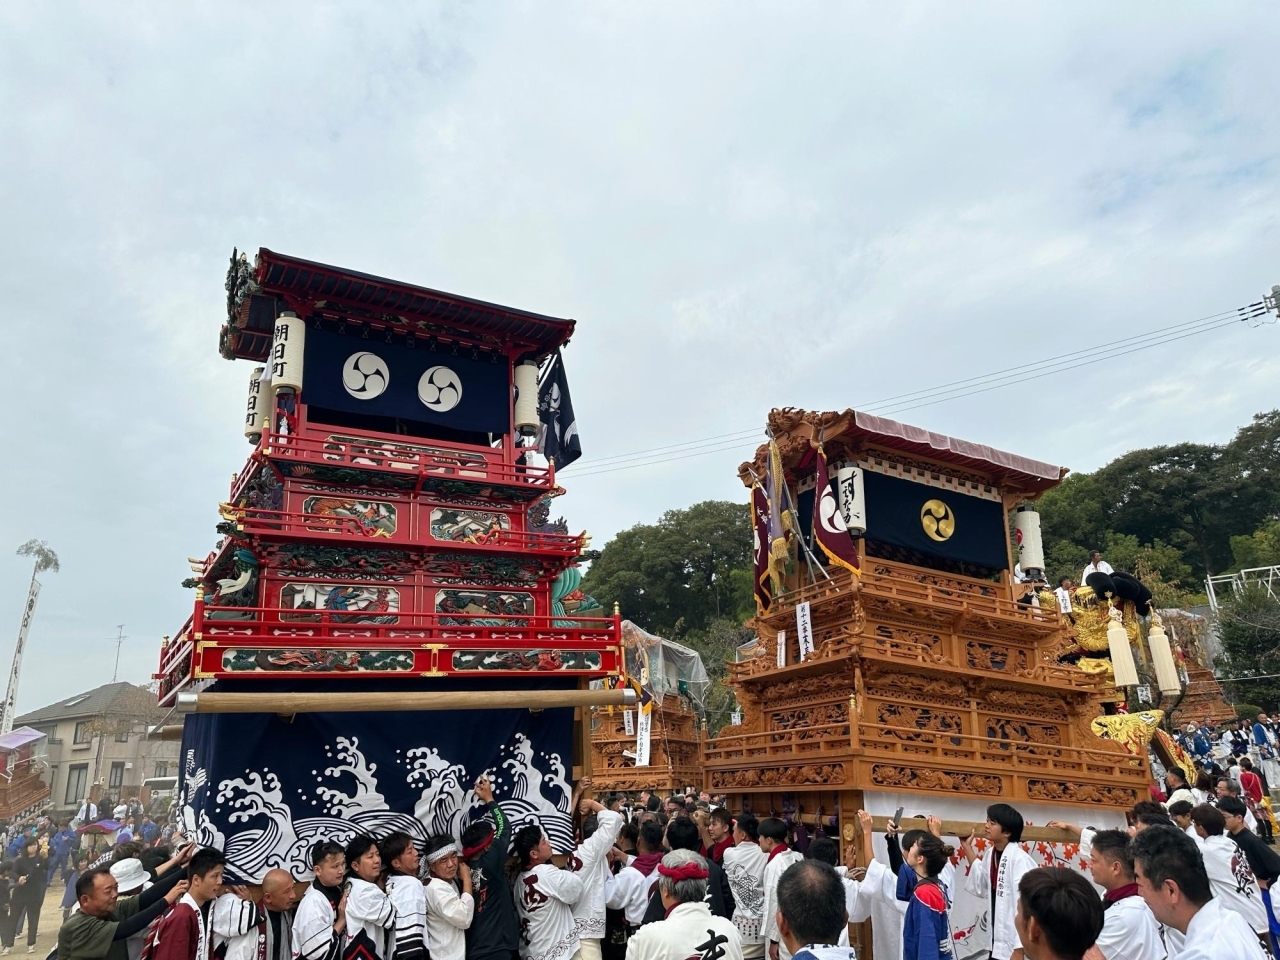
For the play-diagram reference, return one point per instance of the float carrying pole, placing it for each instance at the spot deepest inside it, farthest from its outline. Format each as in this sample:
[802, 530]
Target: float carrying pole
[288, 703]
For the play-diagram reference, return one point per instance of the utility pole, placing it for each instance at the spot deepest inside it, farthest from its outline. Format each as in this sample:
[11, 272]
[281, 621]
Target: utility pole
[119, 638]
[45, 559]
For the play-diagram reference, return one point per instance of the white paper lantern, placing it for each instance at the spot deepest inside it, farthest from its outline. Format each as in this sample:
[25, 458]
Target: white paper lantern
[526, 377]
[1026, 528]
[1121, 653]
[286, 353]
[256, 408]
[1162, 657]
[853, 499]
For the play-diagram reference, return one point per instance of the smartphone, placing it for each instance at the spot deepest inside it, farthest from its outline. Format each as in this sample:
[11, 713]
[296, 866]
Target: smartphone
[897, 816]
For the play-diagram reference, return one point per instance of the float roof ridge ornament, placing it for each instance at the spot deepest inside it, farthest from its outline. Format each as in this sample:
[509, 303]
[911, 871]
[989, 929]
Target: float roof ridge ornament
[846, 433]
[400, 307]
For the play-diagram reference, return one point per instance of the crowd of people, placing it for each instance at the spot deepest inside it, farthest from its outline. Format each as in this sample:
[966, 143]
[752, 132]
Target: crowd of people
[685, 878]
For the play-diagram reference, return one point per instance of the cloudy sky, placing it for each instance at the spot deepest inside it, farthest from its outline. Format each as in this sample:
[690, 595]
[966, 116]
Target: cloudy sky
[744, 205]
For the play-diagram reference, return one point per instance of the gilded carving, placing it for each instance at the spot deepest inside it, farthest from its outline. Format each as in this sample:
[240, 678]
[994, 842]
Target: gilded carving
[925, 779]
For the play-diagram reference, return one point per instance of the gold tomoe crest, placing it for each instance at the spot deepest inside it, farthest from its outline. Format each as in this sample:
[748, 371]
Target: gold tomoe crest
[937, 519]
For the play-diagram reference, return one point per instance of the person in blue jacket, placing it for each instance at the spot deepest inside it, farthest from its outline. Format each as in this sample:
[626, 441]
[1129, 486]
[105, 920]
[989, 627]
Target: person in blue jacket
[926, 930]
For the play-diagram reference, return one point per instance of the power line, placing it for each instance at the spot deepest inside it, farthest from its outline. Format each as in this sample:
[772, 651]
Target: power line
[952, 391]
[1242, 313]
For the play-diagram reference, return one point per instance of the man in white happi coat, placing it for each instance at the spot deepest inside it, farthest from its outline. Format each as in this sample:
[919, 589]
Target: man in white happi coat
[744, 867]
[590, 862]
[690, 931]
[544, 896]
[773, 841]
[996, 874]
[635, 881]
[243, 930]
[1058, 917]
[1173, 881]
[811, 912]
[1129, 930]
[1231, 878]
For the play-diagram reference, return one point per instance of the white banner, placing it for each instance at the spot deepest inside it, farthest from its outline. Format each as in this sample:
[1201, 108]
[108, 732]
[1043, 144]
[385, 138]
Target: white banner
[629, 723]
[804, 630]
[782, 648]
[12, 693]
[643, 728]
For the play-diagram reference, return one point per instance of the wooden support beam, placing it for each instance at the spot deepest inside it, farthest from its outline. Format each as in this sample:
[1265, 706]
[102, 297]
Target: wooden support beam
[961, 828]
[170, 731]
[289, 703]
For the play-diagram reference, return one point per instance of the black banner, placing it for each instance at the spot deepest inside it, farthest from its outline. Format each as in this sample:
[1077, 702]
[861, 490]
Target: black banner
[355, 375]
[936, 522]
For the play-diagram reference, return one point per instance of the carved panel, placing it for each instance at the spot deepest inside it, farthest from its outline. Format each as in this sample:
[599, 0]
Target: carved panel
[924, 719]
[1027, 704]
[925, 779]
[779, 776]
[1034, 737]
[807, 689]
[814, 716]
[1081, 793]
[907, 641]
[910, 686]
[999, 657]
[943, 583]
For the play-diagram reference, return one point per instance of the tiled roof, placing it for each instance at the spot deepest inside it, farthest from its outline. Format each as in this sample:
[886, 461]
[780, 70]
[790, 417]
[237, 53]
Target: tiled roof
[109, 699]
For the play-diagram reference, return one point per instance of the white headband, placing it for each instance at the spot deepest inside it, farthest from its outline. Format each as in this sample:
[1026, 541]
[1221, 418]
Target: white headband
[437, 855]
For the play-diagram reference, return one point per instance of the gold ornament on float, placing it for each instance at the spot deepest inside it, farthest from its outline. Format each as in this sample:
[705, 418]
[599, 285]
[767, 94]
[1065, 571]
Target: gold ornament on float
[938, 521]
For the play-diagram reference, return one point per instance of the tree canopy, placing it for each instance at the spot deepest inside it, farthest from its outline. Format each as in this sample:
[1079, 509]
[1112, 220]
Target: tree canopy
[1187, 511]
[680, 573]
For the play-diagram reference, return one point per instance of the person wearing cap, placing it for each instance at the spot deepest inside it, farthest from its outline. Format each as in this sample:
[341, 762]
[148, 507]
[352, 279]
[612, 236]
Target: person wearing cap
[104, 921]
[589, 861]
[493, 932]
[690, 929]
[269, 936]
[131, 880]
[450, 905]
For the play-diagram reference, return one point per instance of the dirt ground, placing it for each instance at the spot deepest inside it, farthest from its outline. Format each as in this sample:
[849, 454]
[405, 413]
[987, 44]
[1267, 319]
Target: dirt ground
[50, 921]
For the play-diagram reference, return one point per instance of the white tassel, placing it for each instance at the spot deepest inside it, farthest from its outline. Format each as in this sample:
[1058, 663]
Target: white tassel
[1162, 657]
[1121, 654]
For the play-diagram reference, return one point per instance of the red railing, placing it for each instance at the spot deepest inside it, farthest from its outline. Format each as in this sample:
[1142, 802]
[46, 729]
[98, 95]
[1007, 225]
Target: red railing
[439, 462]
[273, 624]
[293, 525]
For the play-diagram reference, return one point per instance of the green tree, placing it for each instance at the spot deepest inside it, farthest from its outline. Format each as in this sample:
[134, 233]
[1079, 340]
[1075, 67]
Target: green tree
[1249, 626]
[1259, 549]
[684, 569]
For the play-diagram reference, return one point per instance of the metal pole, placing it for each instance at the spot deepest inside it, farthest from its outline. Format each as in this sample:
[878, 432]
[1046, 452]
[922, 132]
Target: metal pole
[11, 694]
